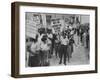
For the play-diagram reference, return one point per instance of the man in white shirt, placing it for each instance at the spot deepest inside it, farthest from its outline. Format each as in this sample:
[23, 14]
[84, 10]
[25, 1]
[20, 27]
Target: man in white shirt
[63, 48]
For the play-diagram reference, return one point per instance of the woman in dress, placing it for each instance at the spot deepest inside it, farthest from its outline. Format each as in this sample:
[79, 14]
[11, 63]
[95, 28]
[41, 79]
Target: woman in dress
[44, 51]
[34, 53]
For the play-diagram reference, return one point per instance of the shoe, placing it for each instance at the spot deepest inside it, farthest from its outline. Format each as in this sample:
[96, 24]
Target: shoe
[60, 62]
[65, 64]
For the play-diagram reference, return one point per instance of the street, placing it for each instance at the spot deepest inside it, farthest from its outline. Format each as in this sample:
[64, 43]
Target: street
[79, 56]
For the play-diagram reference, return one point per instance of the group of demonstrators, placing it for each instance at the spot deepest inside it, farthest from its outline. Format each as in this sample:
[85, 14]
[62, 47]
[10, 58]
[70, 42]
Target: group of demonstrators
[83, 35]
[47, 44]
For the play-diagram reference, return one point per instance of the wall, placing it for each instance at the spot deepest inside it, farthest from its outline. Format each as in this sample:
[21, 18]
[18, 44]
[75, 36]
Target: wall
[5, 40]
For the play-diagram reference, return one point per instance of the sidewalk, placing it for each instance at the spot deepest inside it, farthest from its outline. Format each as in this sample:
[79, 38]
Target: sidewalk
[79, 56]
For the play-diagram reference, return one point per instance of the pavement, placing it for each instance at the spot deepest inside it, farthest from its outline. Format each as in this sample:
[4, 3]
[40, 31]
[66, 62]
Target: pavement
[79, 56]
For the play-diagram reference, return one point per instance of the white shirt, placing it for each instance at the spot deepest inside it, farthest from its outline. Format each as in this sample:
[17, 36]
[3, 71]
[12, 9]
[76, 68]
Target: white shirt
[44, 46]
[58, 39]
[50, 35]
[72, 32]
[40, 37]
[48, 41]
[35, 47]
[53, 31]
[70, 27]
[64, 41]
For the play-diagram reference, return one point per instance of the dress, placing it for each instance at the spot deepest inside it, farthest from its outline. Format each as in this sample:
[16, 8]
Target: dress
[44, 53]
[34, 55]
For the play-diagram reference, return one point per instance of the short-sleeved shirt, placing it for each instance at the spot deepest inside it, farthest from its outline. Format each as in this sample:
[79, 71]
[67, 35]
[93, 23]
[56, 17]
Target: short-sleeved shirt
[64, 41]
[44, 46]
[50, 36]
[35, 47]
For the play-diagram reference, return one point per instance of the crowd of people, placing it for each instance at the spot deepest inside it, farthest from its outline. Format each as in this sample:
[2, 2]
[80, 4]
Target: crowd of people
[47, 43]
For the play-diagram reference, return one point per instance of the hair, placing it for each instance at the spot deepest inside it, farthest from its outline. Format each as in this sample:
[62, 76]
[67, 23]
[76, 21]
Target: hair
[26, 39]
[63, 34]
[44, 38]
[32, 39]
[37, 37]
